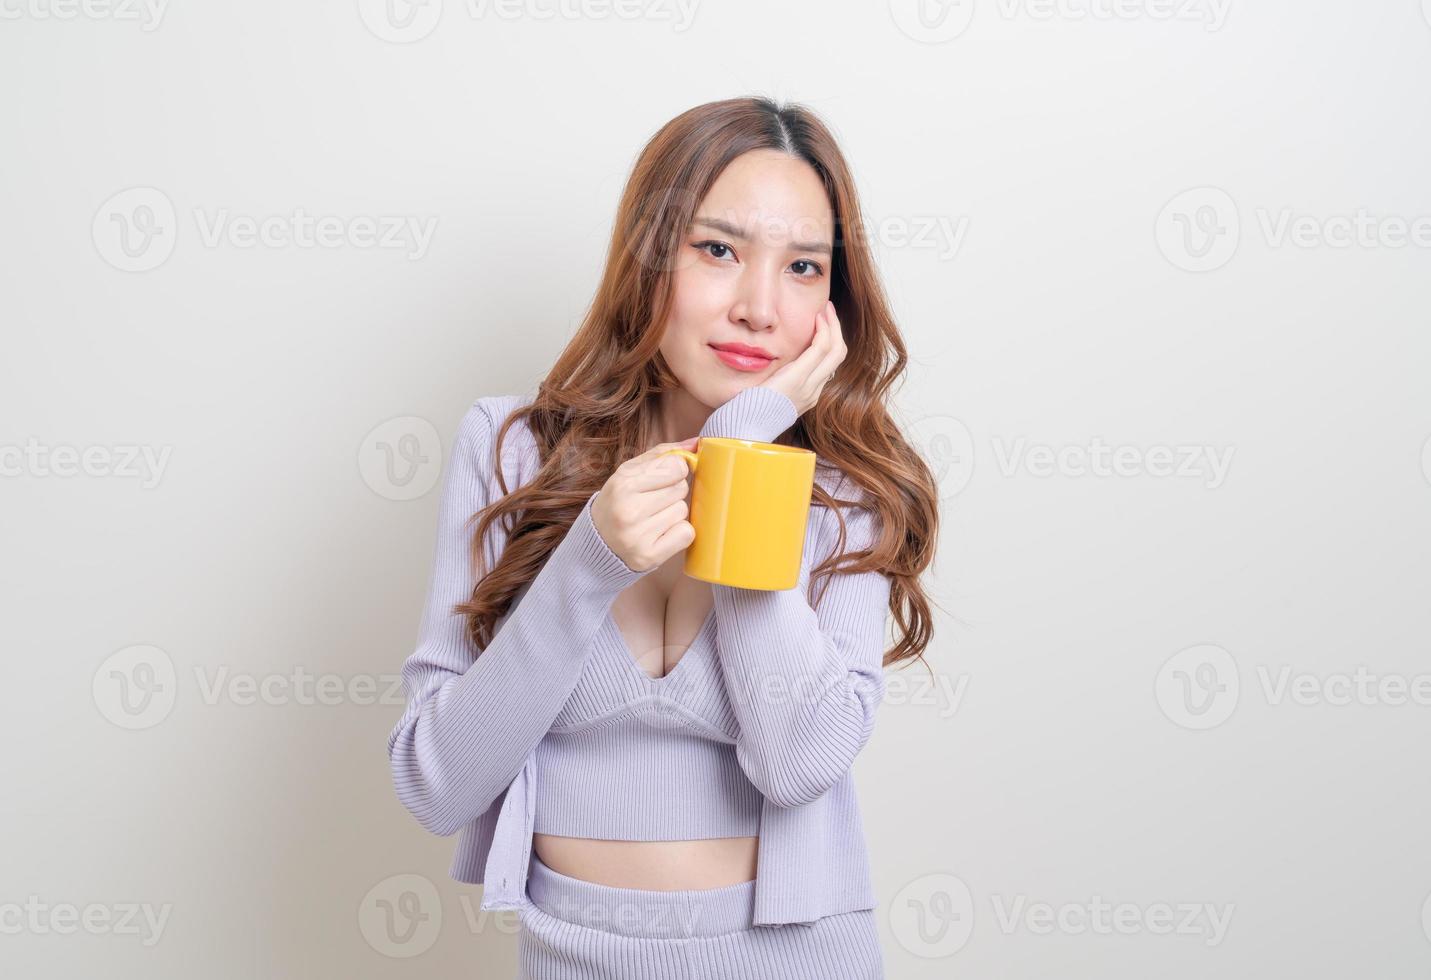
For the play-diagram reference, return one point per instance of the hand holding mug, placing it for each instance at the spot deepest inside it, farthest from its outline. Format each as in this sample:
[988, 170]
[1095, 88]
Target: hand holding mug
[640, 511]
[804, 378]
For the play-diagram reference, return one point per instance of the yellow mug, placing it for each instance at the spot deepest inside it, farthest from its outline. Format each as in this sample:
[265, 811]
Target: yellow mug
[749, 504]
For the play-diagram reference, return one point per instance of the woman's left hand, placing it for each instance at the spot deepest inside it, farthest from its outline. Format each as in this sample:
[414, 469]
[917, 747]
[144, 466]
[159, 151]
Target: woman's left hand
[803, 378]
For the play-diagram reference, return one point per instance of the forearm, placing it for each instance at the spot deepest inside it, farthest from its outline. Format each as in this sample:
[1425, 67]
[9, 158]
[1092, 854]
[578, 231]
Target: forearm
[756, 413]
[804, 687]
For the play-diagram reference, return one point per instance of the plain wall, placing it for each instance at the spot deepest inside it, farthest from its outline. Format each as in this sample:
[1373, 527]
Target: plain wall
[1163, 270]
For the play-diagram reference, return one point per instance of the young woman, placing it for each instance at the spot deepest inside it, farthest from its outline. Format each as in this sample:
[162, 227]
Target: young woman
[653, 769]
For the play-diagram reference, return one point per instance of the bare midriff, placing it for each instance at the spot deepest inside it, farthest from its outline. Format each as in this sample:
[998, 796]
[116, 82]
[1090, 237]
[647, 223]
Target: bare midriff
[654, 865]
[661, 613]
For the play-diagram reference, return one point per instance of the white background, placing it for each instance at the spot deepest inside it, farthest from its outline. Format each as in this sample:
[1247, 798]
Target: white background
[1068, 751]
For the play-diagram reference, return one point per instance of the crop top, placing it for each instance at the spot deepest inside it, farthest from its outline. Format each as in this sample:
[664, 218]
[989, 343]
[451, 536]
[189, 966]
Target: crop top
[636, 757]
[554, 727]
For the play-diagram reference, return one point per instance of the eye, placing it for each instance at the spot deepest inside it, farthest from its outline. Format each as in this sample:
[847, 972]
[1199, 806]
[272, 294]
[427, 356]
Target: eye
[704, 246]
[711, 247]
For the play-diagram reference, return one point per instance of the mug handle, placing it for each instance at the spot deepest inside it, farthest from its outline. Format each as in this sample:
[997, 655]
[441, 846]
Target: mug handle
[689, 456]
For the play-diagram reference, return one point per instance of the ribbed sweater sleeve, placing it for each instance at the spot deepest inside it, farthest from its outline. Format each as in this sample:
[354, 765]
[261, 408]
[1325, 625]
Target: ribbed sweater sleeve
[474, 715]
[804, 683]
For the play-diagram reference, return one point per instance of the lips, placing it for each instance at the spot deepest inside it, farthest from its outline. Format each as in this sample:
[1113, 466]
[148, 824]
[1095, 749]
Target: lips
[743, 357]
[745, 349]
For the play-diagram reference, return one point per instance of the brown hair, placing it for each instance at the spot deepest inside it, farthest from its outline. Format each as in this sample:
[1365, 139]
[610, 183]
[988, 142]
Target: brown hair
[597, 405]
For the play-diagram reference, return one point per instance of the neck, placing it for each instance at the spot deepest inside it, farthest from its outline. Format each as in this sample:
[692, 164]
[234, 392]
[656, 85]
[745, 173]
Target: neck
[680, 416]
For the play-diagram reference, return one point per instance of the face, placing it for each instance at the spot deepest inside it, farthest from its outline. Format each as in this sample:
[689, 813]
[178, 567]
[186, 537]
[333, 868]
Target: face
[752, 271]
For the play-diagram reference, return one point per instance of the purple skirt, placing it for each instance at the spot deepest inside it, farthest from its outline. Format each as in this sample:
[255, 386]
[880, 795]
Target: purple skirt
[580, 930]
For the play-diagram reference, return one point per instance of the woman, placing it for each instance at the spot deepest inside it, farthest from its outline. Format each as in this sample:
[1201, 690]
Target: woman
[653, 769]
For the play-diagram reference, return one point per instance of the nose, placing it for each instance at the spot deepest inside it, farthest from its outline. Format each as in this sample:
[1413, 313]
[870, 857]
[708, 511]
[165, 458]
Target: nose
[756, 306]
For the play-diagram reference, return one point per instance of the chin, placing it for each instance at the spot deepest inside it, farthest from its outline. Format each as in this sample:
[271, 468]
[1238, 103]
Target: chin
[730, 389]
[713, 393]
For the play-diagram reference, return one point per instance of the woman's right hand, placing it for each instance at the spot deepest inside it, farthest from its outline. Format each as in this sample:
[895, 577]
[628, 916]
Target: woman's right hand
[640, 512]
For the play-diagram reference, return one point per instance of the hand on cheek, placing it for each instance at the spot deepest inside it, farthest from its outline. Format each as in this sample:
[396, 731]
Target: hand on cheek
[804, 378]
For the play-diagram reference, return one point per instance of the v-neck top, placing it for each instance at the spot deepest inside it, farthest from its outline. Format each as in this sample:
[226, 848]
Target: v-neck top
[553, 725]
[636, 757]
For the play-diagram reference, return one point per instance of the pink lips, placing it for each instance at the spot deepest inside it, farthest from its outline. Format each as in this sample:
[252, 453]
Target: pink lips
[743, 357]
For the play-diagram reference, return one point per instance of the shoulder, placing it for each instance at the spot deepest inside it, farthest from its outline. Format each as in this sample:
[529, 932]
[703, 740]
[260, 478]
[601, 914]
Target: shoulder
[484, 417]
[861, 519]
[477, 435]
[838, 483]
[488, 412]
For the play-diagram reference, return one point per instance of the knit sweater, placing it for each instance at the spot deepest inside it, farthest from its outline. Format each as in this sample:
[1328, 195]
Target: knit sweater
[802, 681]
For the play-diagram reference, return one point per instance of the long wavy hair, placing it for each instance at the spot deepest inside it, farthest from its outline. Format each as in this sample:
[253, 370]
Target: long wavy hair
[598, 405]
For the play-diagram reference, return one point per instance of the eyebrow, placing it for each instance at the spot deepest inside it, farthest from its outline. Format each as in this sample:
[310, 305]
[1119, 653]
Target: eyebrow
[734, 232]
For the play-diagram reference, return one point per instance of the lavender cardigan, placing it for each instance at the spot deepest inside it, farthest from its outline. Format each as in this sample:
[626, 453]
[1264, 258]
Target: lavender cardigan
[803, 682]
